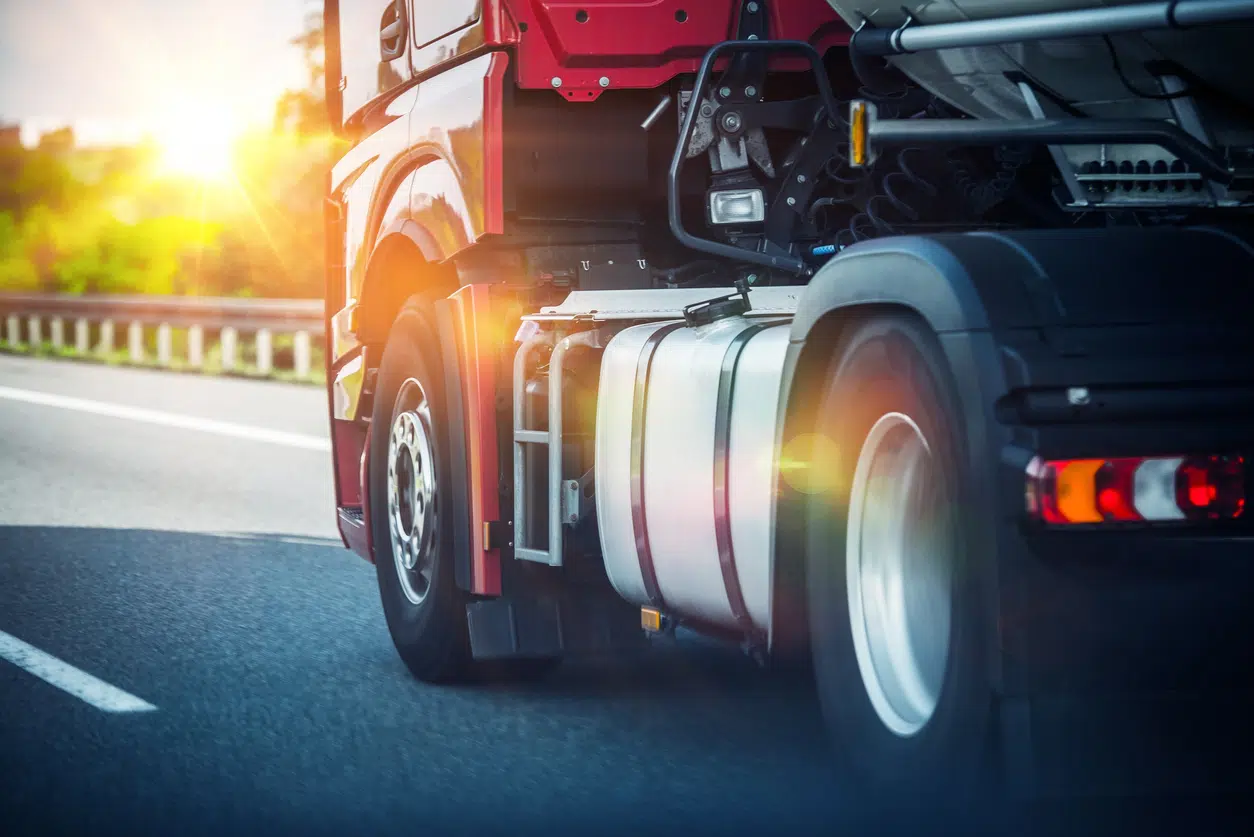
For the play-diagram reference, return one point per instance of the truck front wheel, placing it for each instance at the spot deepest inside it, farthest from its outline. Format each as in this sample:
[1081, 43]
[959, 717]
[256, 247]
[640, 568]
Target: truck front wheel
[894, 622]
[410, 480]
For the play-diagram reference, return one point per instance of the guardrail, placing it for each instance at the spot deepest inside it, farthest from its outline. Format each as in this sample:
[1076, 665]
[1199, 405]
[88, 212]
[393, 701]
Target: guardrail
[198, 333]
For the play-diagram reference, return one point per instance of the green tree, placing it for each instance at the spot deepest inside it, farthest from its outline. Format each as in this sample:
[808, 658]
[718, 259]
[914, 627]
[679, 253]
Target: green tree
[305, 111]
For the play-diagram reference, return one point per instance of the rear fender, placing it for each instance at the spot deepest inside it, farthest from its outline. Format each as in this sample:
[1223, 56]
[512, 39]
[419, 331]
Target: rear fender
[959, 292]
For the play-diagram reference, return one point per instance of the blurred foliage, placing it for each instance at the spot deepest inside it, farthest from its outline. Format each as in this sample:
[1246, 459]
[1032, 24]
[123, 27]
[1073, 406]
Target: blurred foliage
[109, 220]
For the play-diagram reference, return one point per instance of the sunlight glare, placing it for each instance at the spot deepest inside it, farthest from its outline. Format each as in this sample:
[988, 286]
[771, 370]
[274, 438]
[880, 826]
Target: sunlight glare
[201, 147]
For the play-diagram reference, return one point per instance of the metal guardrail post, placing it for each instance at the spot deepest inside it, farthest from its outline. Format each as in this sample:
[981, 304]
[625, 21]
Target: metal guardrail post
[135, 342]
[265, 351]
[165, 344]
[228, 339]
[196, 347]
[303, 353]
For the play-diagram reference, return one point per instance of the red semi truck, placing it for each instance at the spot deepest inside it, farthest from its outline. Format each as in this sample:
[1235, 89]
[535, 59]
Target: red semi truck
[915, 343]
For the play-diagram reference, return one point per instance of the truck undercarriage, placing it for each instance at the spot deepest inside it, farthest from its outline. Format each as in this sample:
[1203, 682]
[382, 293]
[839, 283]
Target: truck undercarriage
[832, 335]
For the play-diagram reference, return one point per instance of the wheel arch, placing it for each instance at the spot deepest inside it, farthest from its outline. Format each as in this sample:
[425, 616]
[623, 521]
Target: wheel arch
[403, 263]
[921, 278]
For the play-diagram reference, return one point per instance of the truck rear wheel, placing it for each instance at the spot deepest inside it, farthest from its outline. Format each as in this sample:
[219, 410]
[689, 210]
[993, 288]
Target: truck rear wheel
[894, 618]
[409, 491]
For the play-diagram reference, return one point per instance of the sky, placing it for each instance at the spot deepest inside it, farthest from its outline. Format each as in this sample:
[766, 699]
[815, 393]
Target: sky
[116, 70]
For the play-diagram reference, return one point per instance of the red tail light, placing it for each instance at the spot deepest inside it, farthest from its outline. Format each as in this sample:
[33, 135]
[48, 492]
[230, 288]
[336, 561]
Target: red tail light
[1211, 487]
[1116, 489]
[1148, 489]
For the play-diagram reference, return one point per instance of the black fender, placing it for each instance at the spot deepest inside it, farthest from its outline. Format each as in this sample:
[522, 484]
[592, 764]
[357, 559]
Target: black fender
[938, 283]
[1014, 311]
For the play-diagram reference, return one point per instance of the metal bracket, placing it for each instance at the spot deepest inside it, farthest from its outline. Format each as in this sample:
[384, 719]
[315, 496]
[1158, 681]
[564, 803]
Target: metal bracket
[784, 261]
[1079, 194]
[745, 75]
[577, 499]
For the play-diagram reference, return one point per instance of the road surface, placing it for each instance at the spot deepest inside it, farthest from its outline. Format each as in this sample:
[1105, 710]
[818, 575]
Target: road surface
[208, 659]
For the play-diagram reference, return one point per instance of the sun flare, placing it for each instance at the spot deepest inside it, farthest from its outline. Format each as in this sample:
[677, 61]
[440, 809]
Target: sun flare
[202, 149]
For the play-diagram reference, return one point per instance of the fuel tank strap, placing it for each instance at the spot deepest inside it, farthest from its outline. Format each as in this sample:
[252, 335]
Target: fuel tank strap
[639, 401]
[722, 479]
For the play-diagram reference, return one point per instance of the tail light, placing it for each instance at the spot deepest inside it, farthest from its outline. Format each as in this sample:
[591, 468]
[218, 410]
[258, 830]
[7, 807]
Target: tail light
[1152, 489]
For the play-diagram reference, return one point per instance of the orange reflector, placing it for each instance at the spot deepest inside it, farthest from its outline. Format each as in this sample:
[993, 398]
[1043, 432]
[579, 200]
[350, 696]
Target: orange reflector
[651, 619]
[1075, 491]
[859, 133]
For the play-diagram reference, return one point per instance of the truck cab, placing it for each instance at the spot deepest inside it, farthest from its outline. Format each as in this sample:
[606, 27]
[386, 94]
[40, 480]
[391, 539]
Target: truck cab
[872, 339]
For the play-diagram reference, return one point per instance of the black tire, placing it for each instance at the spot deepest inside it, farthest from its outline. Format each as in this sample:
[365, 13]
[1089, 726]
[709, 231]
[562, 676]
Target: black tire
[894, 364]
[431, 636]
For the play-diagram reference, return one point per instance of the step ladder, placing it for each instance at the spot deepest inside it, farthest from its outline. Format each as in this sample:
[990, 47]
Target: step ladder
[568, 499]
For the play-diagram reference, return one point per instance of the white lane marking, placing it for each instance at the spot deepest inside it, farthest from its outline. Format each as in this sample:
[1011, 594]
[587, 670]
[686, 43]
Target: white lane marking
[69, 679]
[222, 428]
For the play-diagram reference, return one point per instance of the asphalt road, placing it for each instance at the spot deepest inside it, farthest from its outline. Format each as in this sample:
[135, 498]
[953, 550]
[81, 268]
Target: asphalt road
[196, 570]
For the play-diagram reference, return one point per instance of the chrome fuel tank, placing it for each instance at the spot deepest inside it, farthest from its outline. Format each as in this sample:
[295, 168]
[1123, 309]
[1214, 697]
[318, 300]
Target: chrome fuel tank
[1078, 70]
[685, 468]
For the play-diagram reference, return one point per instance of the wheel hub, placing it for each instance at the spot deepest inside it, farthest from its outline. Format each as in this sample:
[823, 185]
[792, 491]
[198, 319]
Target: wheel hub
[412, 496]
[899, 560]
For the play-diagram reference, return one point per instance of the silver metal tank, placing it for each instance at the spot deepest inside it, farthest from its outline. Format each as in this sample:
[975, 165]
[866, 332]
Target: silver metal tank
[703, 479]
[1078, 70]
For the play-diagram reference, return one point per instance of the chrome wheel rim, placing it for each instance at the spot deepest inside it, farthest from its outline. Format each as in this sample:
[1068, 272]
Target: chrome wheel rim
[899, 567]
[412, 492]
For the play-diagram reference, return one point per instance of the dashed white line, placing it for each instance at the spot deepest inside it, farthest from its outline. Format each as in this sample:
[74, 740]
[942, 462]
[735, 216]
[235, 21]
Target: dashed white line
[221, 428]
[68, 679]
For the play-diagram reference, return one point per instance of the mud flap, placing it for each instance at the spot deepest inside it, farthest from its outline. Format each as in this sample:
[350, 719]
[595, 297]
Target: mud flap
[553, 626]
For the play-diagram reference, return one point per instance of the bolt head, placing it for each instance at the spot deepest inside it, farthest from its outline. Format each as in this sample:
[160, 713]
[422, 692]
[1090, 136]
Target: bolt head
[707, 111]
[556, 82]
[801, 178]
[753, 37]
[605, 81]
[731, 121]
[724, 92]
[752, 8]
[792, 201]
[751, 91]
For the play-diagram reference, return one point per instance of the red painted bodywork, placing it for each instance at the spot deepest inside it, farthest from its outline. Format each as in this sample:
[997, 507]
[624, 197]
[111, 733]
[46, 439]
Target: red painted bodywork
[483, 339]
[641, 43]
[494, 145]
[349, 445]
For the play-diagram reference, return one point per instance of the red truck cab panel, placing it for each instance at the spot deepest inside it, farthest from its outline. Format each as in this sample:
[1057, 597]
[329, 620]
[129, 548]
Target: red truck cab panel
[583, 47]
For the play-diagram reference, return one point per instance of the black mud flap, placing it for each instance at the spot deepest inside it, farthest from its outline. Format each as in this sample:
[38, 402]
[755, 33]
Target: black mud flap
[537, 627]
